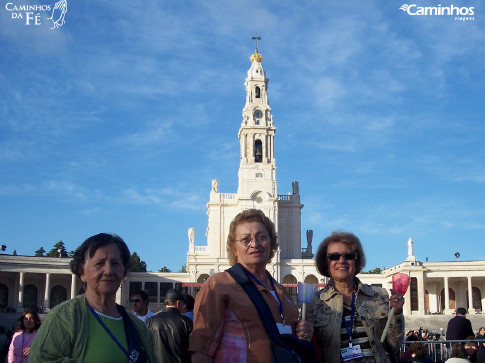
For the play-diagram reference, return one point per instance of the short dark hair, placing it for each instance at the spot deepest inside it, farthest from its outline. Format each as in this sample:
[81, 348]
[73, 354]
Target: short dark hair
[461, 311]
[417, 348]
[458, 351]
[36, 319]
[190, 302]
[143, 295]
[91, 245]
[321, 260]
[250, 215]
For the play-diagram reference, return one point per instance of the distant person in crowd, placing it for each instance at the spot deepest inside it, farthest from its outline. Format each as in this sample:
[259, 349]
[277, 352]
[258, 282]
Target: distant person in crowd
[481, 336]
[349, 314]
[189, 307]
[19, 350]
[419, 354]
[4, 344]
[407, 354]
[92, 327]
[458, 354]
[139, 302]
[227, 325]
[459, 327]
[171, 329]
[471, 349]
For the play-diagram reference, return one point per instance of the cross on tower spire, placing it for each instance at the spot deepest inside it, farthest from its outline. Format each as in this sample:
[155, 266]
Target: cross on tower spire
[256, 38]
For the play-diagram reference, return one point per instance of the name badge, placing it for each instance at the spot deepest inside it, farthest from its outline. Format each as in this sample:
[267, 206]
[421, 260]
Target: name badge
[283, 329]
[352, 352]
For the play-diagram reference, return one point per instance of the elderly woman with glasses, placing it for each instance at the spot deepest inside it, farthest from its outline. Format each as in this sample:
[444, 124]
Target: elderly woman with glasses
[349, 316]
[227, 327]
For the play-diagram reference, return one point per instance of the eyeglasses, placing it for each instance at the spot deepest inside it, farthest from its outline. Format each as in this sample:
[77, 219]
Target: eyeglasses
[347, 256]
[258, 237]
[135, 300]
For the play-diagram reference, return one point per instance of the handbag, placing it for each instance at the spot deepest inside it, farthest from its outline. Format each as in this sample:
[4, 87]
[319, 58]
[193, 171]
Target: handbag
[285, 348]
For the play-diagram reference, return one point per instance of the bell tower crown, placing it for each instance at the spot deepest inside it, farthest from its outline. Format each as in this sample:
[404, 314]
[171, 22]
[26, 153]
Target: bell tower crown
[257, 169]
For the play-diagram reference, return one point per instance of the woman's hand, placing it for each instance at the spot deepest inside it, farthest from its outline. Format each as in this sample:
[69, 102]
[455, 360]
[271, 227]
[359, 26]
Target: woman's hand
[26, 351]
[396, 301]
[304, 330]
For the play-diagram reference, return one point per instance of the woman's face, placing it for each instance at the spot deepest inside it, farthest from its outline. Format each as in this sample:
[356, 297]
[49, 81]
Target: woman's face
[252, 244]
[341, 270]
[103, 272]
[29, 322]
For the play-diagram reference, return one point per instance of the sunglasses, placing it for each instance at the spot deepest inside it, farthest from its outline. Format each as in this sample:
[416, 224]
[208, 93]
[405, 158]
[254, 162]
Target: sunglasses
[135, 300]
[347, 256]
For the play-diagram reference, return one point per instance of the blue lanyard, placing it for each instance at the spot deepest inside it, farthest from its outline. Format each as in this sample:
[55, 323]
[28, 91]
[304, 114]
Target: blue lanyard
[108, 331]
[280, 305]
[349, 329]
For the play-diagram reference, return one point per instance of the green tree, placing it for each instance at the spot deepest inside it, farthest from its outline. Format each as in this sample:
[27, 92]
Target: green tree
[183, 268]
[164, 269]
[58, 248]
[377, 270]
[71, 254]
[40, 252]
[137, 265]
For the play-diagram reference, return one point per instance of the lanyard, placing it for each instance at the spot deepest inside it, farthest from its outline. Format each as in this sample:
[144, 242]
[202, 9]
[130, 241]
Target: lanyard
[349, 329]
[280, 305]
[109, 332]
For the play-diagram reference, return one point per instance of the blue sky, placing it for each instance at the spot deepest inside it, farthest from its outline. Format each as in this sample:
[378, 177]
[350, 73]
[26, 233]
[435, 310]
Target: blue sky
[118, 120]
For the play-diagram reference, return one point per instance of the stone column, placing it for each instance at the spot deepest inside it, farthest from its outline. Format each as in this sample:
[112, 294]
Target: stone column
[421, 297]
[73, 286]
[20, 306]
[47, 291]
[447, 297]
[471, 310]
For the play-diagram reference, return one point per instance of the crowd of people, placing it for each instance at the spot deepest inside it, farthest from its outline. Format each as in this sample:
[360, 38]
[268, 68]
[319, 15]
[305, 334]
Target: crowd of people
[239, 315]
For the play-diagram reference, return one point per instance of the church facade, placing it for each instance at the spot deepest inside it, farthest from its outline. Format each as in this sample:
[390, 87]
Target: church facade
[257, 188]
[436, 287]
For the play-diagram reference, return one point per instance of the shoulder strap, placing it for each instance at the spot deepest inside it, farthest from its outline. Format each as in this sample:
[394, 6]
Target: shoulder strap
[239, 274]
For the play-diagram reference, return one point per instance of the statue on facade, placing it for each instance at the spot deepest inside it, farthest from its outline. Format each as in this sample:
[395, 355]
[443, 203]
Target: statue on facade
[191, 233]
[295, 187]
[410, 247]
[309, 238]
[215, 185]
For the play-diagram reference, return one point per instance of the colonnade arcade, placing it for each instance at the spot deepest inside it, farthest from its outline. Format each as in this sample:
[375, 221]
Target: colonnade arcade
[39, 291]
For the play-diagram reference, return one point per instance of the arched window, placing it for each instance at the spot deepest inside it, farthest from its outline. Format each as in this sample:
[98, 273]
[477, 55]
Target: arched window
[30, 297]
[134, 287]
[292, 290]
[311, 279]
[257, 92]
[58, 295]
[164, 287]
[258, 151]
[414, 294]
[476, 298]
[3, 296]
[452, 304]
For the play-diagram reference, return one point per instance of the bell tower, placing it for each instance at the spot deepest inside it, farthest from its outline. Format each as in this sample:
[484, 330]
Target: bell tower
[257, 168]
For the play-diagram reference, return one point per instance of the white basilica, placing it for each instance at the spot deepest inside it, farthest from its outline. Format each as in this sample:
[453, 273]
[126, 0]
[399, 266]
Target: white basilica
[437, 288]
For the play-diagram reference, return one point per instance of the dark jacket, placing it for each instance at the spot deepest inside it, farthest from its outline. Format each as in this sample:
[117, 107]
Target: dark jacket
[421, 359]
[459, 328]
[171, 331]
